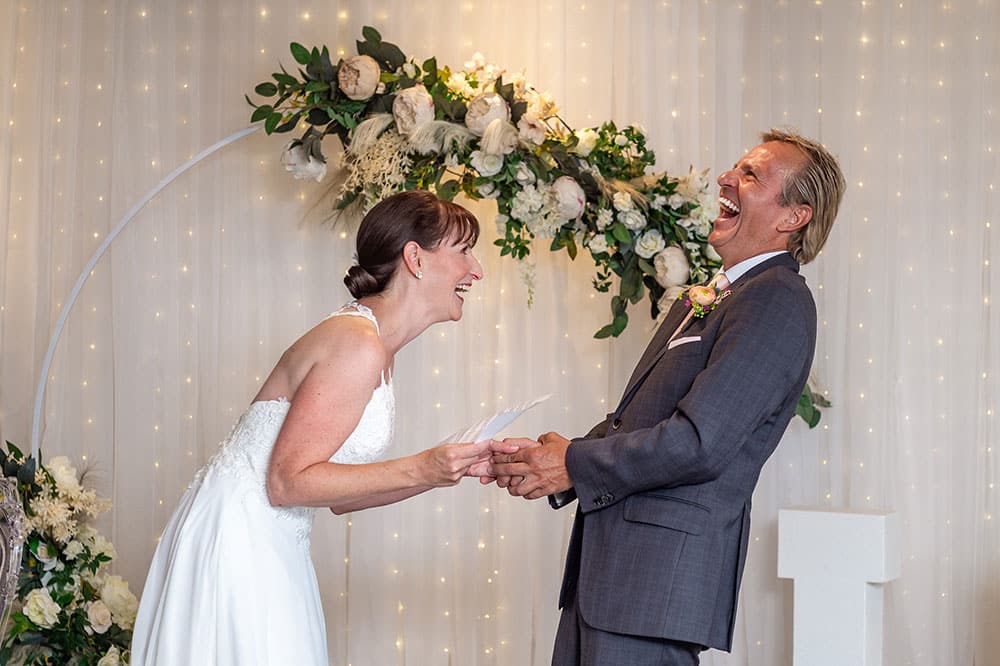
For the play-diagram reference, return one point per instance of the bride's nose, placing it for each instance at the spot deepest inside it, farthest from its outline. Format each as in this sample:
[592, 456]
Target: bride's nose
[476, 269]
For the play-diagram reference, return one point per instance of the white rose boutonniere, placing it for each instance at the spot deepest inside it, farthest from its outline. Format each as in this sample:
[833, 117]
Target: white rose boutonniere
[412, 108]
[358, 77]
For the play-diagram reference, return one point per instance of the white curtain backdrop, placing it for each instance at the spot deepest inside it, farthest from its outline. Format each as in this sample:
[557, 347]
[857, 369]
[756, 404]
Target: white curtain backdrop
[182, 320]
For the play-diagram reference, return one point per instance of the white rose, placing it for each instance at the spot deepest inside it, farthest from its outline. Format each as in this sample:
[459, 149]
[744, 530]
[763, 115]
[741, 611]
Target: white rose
[99, 616]
[301, 165]
[703, 227]
[568, 198]
[658, 202]
[604, 218]
[676, 200]
[64, 473]
[620, 139]
[632, 219]
[531, 130]
[488, 191]
[40, 608]
[483, 110]
[358, 76]
[623, 201]
[650, 243]
[120, 601]
[73, 549]
[412, 108]
[586, 140]
[524, 175]
[47, 556]
[100, 545]
[598, 244]
[485, 163]
[410, 70]
[672, 267]
[111, 658]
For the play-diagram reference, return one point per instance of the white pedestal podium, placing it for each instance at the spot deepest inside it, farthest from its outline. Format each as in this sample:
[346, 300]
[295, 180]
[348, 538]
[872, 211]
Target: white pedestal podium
[839, 561]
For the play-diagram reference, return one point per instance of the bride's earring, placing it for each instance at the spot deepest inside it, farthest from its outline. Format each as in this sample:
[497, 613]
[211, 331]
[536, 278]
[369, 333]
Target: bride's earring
[420, 275]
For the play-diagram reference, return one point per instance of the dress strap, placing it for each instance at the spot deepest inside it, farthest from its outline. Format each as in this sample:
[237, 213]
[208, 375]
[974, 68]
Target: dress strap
[358, 310]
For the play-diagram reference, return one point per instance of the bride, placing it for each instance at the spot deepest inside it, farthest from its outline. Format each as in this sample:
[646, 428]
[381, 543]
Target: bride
[231, 581]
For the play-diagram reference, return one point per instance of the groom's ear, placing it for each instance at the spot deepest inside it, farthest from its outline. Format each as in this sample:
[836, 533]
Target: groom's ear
[795, 218]
[413, 257]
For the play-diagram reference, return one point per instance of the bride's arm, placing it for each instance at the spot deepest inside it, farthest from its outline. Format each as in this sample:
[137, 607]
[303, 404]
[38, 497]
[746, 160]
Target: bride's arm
[325, 410]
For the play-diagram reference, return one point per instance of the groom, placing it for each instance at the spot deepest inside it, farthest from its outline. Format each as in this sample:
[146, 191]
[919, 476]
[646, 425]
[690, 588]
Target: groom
[664, 483]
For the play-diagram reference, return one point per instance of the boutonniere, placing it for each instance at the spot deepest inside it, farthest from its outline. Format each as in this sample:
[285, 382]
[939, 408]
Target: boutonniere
[702, 299]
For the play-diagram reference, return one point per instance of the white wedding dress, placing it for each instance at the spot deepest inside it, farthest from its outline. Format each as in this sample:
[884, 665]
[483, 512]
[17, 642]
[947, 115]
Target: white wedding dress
[232, 581]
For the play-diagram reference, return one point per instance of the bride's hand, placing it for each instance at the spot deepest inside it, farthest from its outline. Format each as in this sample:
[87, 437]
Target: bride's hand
[481, 468]
[445, 465]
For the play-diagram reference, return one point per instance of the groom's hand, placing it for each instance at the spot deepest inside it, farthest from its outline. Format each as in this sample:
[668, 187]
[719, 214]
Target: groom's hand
[542, 468]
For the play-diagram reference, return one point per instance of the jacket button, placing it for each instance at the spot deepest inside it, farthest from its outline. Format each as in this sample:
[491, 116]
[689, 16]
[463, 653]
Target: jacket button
[617, 423]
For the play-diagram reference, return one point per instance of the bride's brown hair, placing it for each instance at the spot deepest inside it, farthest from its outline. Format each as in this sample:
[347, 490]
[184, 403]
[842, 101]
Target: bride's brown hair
[415, 215]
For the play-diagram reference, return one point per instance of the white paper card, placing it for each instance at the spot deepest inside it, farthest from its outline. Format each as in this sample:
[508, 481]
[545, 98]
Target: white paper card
[489, 427]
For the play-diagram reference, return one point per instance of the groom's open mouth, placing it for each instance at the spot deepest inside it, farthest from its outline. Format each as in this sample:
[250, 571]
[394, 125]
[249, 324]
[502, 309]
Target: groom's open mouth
[462, 288]
[728, 208]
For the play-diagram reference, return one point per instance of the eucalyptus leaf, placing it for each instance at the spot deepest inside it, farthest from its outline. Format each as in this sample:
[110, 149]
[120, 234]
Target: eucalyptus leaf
[371, 34]
[300, 53]
[605, 332]
[272, 122]
[266, 89]
[621, 233]
[261, 112]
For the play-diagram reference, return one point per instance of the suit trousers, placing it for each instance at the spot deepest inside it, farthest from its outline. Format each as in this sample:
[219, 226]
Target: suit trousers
[579, 644]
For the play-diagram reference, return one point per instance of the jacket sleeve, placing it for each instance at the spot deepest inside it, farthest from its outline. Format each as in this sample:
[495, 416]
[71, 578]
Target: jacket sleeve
[759, 359]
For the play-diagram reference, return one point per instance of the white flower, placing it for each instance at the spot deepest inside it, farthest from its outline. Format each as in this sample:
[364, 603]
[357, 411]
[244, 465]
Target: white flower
[499, 138]
[410, 70]
[632, 219]
[524, 175]
[40, 608]
[623, 201]
[686, 222]
[47, 557]
[64, 473]
[120, 601]
[676, 200]
[459, 84]
[478, 61]
[711, 253]
[620, 139]
[693, 183]
[604, 218]
[484, 109]
[488, 190]
[301, 165]
[111, 658]
[658, 202]
[568, 198]
[531, 130]
[650, 243]
[72, 549]
[99, 616]
[358, 76]
[501, 222]
[598, 244]
[545, 224]
[526, 203]
[672, 268]
[486, 164]
[412, 108]
[586, 140]
[703, 227]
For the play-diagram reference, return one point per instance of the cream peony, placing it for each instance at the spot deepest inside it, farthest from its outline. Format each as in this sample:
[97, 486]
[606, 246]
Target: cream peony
[358, 76]
[486, 164]
[302, 165]
[111, 658]
[586, 140]
[531, 130]
[649, 244]
[120, 601]
[40, 608]
[672, 268]
[99, 616]
[484, 109]
[568, 197]
[412, 108]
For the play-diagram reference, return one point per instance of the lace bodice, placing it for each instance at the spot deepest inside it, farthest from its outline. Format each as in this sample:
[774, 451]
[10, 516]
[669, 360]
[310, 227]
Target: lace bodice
[246, 452]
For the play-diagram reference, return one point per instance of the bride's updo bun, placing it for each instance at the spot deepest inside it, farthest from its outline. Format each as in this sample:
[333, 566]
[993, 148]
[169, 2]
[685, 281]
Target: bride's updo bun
[360, 282]
[415, 215]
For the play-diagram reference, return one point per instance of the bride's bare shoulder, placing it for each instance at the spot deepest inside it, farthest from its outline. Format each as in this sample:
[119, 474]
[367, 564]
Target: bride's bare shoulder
[343, 339]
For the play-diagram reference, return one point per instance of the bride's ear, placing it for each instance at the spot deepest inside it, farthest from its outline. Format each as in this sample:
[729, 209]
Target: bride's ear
[413, 259]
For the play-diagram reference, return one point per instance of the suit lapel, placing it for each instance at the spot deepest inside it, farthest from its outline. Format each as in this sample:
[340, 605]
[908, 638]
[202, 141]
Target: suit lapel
[658, 345]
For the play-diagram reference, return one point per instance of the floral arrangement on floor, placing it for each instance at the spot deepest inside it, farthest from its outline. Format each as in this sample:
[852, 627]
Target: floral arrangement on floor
[69, 609]
[489, 134]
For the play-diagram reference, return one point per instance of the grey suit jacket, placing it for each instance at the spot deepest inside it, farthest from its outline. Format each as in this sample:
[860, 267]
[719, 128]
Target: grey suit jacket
[664, 483]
